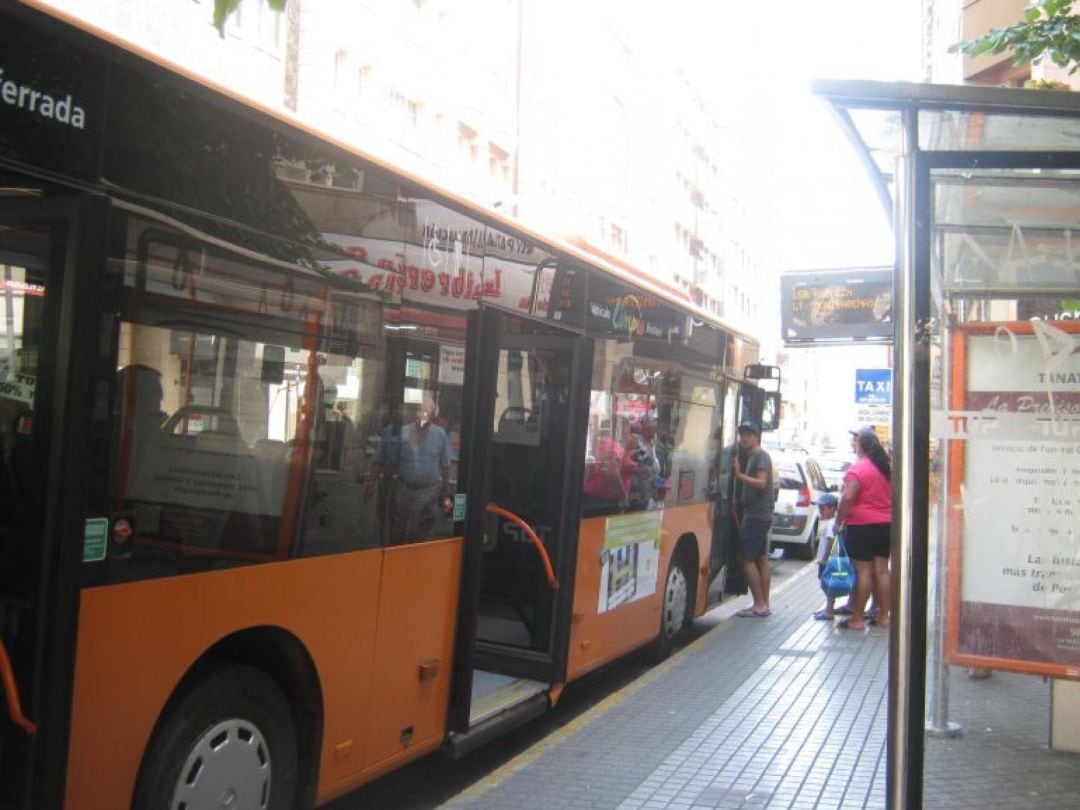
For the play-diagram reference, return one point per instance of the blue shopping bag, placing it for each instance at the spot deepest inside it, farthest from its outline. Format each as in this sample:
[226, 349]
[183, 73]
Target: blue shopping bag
[838, 576]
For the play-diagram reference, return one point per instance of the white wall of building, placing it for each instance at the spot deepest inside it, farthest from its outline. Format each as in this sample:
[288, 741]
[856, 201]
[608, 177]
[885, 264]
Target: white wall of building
[593, 132]
[248, 59]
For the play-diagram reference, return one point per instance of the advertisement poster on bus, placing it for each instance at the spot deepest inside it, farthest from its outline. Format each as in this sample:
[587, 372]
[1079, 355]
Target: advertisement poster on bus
[1014, 479]
[439, 259]
[631, 559]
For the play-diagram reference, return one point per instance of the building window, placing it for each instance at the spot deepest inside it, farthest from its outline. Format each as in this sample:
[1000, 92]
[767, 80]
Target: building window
[468, 149]
[617, 236]
[406, 108]
[363, 80]
[498, 164]
[256, 23]
[341, 59]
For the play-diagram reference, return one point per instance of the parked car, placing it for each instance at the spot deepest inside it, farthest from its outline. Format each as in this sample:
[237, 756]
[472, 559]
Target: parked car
[795, 515]
[834, 463]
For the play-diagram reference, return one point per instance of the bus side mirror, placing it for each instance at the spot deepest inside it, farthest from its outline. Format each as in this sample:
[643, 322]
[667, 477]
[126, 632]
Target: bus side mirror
[273, 365]
[759, 371]
[770, 411]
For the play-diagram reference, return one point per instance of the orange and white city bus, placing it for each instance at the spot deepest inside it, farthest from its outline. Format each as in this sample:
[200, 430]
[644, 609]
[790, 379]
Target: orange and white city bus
[309, 467]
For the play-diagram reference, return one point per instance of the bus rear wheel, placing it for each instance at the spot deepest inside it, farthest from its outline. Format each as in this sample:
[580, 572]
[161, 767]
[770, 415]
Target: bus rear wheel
[675, 606]
[230, 742]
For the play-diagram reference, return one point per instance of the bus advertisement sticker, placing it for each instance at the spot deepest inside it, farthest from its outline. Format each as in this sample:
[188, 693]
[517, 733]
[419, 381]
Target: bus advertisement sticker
[630, 560]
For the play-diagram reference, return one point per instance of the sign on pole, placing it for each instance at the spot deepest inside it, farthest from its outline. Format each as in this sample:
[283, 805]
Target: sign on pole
[873, 386]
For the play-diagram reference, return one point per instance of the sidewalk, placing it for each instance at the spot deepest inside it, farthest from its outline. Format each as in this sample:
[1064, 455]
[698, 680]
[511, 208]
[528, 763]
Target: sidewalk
[1002, 761]
[783, 712]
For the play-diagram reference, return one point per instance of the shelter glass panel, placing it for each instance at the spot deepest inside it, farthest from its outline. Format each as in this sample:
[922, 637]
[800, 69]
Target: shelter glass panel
[1004, 480]
[956, 130]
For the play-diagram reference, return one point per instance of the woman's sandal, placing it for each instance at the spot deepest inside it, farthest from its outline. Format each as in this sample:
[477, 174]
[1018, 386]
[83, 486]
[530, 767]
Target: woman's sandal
[848, 624]
[823, 615]
[752, 613]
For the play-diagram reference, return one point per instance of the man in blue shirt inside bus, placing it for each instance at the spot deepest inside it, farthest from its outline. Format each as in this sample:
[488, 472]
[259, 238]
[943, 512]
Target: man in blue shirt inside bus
[423, 492]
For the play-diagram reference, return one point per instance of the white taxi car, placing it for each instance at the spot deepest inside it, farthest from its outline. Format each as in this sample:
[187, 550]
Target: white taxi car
[795, 515]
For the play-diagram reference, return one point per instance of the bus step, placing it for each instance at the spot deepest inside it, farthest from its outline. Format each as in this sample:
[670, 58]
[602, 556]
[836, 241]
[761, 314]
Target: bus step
[459, 744]
[493, 693]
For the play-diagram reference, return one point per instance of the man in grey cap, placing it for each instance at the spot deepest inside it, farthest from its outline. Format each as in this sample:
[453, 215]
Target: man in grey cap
[755, 495]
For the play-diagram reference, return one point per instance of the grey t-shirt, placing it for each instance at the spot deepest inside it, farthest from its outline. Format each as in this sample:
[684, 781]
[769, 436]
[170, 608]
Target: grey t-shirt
[758, 502]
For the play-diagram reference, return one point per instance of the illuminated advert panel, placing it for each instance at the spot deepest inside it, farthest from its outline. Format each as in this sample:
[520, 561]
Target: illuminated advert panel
[853, 305]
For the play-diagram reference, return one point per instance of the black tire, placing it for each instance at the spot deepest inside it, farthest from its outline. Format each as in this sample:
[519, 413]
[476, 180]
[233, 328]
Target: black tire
[236, 715]
[808, 550]
[676, 606]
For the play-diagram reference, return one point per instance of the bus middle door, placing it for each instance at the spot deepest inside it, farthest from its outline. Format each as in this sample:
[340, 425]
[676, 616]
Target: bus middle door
[524, 468]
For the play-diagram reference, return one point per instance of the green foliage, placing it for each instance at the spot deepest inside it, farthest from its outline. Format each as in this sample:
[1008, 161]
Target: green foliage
[1046, 84]
[223, 8]
[1049, 27]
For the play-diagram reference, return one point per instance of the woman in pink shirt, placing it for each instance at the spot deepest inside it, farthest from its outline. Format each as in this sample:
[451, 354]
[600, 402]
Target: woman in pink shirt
[865, 513]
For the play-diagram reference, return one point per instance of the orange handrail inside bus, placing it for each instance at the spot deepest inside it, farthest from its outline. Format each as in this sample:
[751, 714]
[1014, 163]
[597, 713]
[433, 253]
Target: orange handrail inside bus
[11, 692]
[544, 558]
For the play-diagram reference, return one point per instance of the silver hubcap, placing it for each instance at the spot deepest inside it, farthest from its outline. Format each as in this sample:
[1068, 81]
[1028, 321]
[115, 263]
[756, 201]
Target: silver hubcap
[228, 769]
[674, 601]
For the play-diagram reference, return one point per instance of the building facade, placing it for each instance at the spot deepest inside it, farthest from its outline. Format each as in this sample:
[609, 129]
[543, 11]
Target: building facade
[567, 115]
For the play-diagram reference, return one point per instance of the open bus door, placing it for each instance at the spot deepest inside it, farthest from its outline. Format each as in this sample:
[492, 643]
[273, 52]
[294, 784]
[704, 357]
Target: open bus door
[50, 250]
[528, 408]
[755, 404]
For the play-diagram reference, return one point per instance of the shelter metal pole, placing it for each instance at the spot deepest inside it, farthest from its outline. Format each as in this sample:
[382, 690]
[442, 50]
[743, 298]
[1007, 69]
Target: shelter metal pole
[907, 642]
[937, 696]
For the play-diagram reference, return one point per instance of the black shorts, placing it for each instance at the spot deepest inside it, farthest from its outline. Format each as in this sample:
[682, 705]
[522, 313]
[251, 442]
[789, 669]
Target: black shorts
[754, 538]
[868, 540]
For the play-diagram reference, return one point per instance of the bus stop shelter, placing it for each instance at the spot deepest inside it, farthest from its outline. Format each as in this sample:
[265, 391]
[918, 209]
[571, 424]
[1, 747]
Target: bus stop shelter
[983, 185]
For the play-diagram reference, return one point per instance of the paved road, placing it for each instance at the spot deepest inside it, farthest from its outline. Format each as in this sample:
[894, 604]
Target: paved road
[434, 779]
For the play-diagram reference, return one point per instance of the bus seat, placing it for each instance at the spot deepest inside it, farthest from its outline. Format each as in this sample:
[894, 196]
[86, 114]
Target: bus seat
[273, 450]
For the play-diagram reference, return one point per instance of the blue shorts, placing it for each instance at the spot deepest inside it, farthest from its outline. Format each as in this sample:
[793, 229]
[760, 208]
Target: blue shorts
[754, 538]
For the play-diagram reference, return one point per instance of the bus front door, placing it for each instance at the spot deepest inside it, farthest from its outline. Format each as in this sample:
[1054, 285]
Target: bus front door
[523, 468]
[727, 577]
[43, 269]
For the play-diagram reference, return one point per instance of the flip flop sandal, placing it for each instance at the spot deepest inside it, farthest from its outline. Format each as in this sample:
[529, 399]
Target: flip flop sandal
[822, 616]
[843, 611]
[753, 613]
[845, 624]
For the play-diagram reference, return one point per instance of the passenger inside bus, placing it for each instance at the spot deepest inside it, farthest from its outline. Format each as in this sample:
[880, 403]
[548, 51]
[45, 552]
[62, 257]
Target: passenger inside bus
[137, 427]
[640, 466]
[418, 507]
[13, 414]
[382, 475]
[604, 491]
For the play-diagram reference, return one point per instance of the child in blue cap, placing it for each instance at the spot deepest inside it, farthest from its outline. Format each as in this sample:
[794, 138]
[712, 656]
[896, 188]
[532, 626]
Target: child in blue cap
[826, 504]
